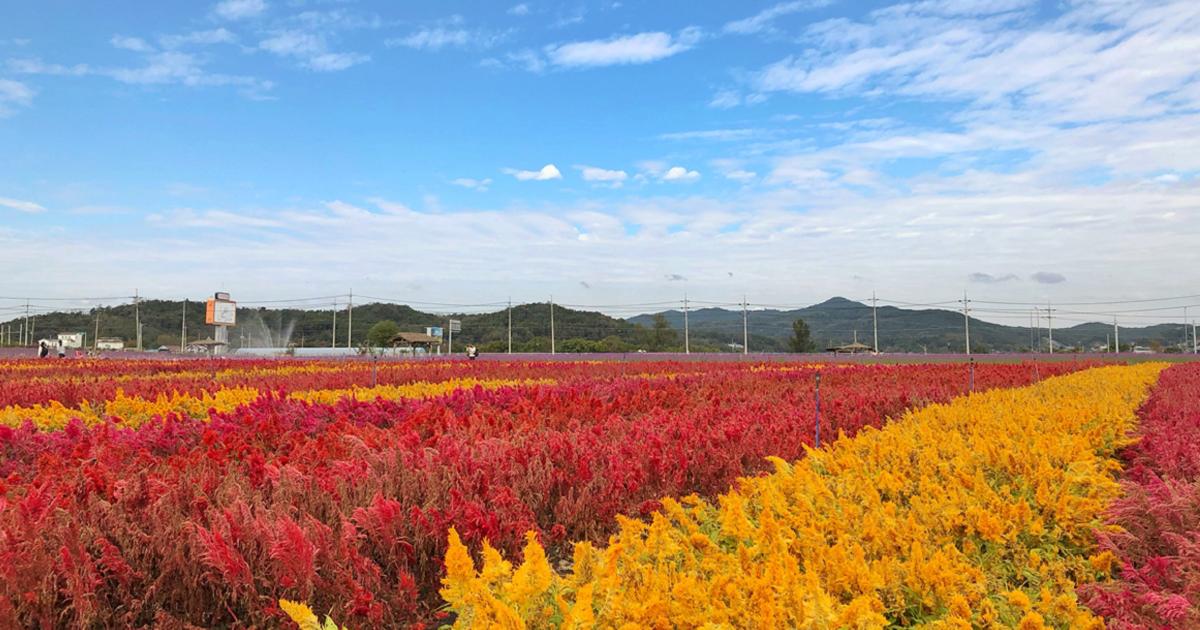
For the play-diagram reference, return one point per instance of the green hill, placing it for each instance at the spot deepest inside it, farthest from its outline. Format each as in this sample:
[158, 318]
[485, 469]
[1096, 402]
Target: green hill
[833, 322]
[575, 331]
[836, 321]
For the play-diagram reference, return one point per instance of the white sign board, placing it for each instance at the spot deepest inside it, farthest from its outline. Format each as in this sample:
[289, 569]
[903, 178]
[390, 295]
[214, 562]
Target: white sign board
[455, 325]
[221, 313]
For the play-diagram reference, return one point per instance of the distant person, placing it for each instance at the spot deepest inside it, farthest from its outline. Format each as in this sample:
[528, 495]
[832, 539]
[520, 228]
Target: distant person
[43, 350]
[62, 349]
[472, 352]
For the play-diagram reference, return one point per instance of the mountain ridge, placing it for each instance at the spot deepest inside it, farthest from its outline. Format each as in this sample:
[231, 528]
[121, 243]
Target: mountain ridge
[835, 321]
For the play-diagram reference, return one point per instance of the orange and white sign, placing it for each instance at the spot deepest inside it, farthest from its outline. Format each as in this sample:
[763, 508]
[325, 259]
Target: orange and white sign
[220, 312]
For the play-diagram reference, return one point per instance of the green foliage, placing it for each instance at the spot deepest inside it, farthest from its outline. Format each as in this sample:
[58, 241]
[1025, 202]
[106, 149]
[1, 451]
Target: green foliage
[380, 335]
[712, 330]
[801, 340]
[661, 337]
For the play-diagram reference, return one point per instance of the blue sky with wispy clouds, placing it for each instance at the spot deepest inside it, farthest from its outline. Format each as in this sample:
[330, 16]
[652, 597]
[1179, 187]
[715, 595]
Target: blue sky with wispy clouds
[607, 152]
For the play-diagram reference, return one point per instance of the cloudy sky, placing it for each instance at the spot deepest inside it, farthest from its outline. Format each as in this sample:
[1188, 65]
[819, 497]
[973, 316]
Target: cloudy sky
[603, 152]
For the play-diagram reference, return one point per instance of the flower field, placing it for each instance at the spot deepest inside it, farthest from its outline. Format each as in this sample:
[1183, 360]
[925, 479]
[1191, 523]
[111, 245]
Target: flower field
[1155, 525]
[979, 513]
[202, 493]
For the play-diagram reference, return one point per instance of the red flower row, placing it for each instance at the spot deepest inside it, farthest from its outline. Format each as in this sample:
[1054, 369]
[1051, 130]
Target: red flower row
[1158, 544]
[347, 506]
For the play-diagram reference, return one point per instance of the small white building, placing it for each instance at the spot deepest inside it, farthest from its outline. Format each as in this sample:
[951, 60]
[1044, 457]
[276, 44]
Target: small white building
[71, 340]
[110, 343]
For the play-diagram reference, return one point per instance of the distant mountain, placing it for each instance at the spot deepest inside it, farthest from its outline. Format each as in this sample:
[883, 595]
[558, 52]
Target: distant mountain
[162, 324]
[833, 322]
[837, 320]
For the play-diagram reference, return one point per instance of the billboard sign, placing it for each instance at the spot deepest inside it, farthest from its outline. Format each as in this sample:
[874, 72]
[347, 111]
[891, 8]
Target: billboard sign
[434, 331]
[220, 313]
[455, 325]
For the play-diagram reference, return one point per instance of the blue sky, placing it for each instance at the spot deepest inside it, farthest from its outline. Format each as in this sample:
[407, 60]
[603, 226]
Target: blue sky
[606, 152]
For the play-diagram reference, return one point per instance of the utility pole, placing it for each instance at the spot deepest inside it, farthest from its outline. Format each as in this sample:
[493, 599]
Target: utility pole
[96, 337]
[1116, 336]
[687, 349]
[510, 325]
[1032, 348]
[137, 318]
[27, 330]
[350, 321]
[1050, 325]
[333, 335]
[552, 324]
[875, 320]
[967, 321]
[745, 328]
[1038, 313]
[1185, 329]
[1195, 345]
[183, 329]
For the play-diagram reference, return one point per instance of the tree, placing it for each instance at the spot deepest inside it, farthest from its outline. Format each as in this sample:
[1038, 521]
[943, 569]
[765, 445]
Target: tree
[801, 340]
[662, 336]
[380, 335]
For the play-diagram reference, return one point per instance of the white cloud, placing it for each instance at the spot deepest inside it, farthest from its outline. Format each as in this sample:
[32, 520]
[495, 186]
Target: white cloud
[726, 99]
[987, 278]
[475, 184]
[519, 9]
[209, 37]
[214, 219]
[547, 173]
[14, 94]
[434, 39]
[762, 21]
[613, 178]
[184, 69]
[293, 43]
[21, 206]
[626, 49]
[713, 134]
[680, 174]
[439, 37]
[239, 9]
[1096, 62]
[332, 62]
[33, 65]
[310, 50]
[631, 244]
[135, 44]
[528, 59]
[1048, 277]
[158, 68]
[740, 175]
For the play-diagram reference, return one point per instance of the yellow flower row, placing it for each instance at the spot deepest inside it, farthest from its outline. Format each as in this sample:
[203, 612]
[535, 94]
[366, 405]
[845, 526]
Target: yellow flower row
[134, 410]
[412, 390]
[801, 367]
[282, 369]
[977, 513]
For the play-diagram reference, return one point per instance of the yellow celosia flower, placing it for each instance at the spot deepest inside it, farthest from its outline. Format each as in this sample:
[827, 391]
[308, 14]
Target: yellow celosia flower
[301, 614]
[133, 411]
[914, 524]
